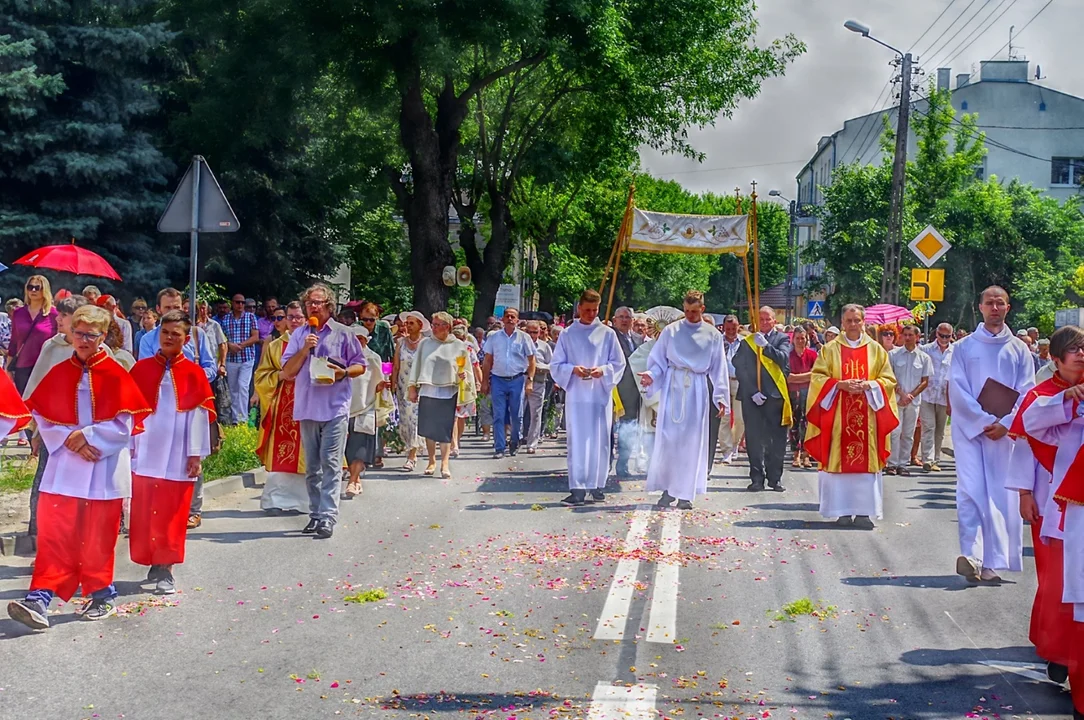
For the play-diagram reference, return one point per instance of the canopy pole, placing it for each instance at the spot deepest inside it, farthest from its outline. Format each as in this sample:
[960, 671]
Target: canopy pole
[619, 249]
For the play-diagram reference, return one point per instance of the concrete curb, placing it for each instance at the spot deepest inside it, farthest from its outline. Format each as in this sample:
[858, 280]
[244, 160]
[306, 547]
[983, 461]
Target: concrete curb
[26, 546]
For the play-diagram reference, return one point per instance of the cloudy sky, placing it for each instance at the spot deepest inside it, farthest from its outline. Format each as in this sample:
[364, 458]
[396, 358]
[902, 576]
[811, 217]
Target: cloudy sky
[771, 137]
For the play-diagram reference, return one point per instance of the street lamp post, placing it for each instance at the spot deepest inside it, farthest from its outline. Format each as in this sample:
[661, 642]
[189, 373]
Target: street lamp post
[792, 210]
[890, 282]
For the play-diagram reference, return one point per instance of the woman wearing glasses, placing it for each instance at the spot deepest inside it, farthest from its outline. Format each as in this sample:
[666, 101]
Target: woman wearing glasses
[31, 326]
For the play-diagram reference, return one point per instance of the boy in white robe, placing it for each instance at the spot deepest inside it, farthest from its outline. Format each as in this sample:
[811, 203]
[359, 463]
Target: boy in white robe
[989, 524]
[168, 456]
[688, 352]
[86, 409]
[587, 363]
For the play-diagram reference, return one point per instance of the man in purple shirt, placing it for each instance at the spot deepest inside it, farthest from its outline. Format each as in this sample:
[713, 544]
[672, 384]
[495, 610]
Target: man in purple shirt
[322, 409]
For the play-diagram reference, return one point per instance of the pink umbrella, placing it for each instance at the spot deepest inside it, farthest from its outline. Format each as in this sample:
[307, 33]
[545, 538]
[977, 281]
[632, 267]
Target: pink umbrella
[884, 314]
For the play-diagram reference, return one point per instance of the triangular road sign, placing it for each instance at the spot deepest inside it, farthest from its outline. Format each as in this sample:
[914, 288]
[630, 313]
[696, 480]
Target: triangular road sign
[215, 213]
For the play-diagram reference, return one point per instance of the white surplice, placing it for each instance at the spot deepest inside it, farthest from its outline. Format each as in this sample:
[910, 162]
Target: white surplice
[1051, 420]
[852, 494]
[67, 473]
[1026, 473]
[649, 405]
[989, 524]
[588, 401]
[683, 358]
[169, 438]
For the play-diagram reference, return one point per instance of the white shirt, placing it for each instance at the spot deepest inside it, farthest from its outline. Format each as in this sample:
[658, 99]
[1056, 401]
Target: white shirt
[509, 352]
[67, 473]
[910, 366]
[543, 356]
[731, 347]
[936, 392]
[170, 438]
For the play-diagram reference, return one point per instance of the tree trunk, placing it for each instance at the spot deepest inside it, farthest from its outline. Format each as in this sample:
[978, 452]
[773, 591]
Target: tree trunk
[433, 152]
[487, 267]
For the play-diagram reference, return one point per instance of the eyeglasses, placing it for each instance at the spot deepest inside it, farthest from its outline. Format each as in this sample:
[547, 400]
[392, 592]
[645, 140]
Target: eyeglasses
[34, 288]
[1074, 350]
[88, 337]
[316, 303]
[238, 302]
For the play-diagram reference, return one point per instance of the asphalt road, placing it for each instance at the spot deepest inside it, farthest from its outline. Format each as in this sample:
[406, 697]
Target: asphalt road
[501, 603]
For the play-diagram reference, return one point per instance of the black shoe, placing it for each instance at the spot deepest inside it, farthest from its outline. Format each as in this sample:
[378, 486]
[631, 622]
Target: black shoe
[598, 496]
[903, 472]
[155, 573]
[31, 613]
[311, 527]
[778, 487]
[1057, 673]
[324, 529]
[845, 521]
[755, 487]
[573, 500]
[99, 609]
[684, 505]
[513, 450]
[666, 500]
[862, 522]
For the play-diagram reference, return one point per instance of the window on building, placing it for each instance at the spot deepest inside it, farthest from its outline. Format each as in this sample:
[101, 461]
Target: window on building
[1066, 171]
[980, 171]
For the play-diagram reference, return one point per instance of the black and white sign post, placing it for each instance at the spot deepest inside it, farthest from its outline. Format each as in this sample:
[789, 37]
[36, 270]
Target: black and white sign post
[198, 205]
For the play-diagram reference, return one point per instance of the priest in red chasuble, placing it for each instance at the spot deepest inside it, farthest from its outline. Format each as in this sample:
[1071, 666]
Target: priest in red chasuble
[168, 457]
[851, 412]
[87, 409]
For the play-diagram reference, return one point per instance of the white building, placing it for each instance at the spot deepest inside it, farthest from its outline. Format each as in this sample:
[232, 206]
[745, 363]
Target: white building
[1033, 134]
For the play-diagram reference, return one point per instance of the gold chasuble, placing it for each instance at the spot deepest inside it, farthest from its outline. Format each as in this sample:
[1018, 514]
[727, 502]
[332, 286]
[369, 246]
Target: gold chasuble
[279, 448]
[850, 436]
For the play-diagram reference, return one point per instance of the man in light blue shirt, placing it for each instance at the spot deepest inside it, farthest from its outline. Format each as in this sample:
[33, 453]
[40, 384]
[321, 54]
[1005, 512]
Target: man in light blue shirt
[171, 299]
[509, 360]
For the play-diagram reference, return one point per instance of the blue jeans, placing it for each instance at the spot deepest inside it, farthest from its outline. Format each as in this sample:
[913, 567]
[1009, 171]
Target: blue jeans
[507, 398]
[46, 596]
[324, 445]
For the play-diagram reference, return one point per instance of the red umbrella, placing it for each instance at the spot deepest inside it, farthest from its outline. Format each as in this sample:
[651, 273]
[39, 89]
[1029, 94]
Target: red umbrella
[69, 258]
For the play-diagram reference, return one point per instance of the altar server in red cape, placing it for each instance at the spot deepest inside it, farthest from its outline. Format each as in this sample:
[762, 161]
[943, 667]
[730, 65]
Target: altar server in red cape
[1055, 421]
[1030, 475]
[167, 458]
[87, 409]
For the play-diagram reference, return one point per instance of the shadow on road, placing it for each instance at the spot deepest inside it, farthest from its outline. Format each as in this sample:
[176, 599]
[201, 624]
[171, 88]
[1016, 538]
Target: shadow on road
[787, 507]
[942, 582]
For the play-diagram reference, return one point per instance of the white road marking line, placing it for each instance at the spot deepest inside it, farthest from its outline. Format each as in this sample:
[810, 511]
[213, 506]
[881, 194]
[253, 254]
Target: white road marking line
[617, 702]
[615, 613]
[662, 622]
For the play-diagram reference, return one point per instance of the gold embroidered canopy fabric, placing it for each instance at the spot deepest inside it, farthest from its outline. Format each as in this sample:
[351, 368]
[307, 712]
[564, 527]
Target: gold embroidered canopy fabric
[698, 234]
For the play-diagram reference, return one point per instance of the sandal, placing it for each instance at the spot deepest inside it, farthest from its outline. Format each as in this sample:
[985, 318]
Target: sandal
[453, 453]
[430, 470]
[409, 466]
[446, 474]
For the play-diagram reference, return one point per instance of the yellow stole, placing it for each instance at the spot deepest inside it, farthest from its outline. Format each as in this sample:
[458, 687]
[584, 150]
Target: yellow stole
[776, 374]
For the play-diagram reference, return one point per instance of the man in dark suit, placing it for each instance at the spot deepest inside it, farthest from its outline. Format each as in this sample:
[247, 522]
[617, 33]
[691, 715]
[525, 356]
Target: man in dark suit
[762, 401]
[625, 429]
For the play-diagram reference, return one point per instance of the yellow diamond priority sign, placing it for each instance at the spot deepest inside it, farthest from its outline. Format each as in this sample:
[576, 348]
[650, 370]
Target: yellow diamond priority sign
[929, 246]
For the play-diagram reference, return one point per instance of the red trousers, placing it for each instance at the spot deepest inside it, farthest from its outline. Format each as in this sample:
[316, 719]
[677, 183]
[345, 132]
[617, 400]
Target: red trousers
[77, 539]
[159, 520]
[1052, 626]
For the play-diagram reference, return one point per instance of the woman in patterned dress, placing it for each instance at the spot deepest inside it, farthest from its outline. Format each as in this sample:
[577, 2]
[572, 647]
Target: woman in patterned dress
[414, 324]
[469, 409]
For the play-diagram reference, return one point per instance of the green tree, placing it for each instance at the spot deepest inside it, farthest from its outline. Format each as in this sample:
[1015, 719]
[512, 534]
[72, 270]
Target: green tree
[77, 158]
[658, 68]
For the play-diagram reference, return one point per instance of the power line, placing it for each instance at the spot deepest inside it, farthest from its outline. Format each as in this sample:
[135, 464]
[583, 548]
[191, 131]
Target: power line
[963, 27]
[916, 42]
[945, 31]
[873, 109]
[958, 50]
[995, 143]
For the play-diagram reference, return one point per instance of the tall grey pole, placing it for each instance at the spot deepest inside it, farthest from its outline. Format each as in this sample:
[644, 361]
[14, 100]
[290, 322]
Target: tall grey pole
[193, 250]
[890, 283]
[791, 263]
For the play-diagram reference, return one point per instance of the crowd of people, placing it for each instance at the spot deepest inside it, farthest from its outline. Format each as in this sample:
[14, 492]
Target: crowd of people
[123, 411]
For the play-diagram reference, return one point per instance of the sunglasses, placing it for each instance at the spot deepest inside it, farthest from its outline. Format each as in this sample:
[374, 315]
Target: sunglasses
[368, 320]
[34, 288]
[238, 302]
[944, 337]
[279, 317]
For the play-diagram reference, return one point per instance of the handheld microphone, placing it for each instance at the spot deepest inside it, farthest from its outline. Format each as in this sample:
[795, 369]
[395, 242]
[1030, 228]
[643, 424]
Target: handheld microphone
[314, 326]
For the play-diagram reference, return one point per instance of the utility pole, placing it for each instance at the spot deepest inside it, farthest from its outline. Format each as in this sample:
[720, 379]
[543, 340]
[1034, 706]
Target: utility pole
[890, 283]
[791, 262]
